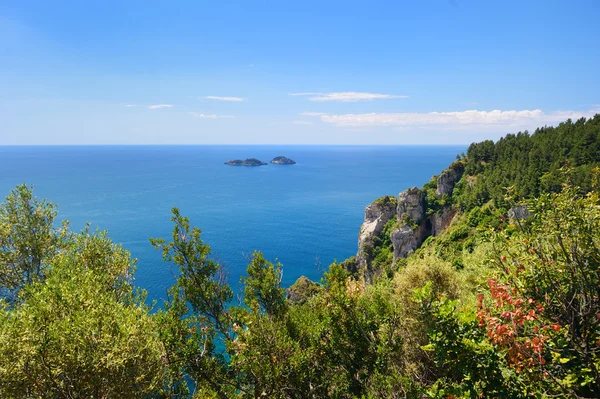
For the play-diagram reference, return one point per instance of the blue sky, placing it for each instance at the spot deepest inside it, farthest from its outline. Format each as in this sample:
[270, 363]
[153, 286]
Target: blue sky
[293, 72]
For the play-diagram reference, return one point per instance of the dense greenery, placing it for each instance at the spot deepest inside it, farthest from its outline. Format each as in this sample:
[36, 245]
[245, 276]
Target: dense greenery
[530, 163]
[493, 307]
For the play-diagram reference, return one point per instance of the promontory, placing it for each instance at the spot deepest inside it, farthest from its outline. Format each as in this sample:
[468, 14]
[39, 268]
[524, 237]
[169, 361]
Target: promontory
[247, 162]
[282, 161]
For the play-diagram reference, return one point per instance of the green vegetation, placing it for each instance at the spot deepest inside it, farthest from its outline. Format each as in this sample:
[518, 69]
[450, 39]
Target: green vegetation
[383, 252]
[386, 200]
[530, 163]
[492, 307]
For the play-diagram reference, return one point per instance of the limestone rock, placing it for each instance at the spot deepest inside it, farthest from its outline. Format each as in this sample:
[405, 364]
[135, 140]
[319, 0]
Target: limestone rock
[448, 179]
[410, 204]
[440, 221]
[413, 227]
[406, 239]
[377, 215]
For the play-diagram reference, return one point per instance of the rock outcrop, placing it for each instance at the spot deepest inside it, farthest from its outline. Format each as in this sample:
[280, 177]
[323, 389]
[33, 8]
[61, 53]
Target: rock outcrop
[413, 228]
[412, 223]
[411, 205]
[448, 179]
[406, 239]
[441, 220]
[377, 215]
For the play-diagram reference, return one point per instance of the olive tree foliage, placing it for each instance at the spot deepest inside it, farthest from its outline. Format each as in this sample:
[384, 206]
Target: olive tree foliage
[71, 323]
[344, 342]
[82, 331]
[195, 324]
[262, 287]
[28, 240]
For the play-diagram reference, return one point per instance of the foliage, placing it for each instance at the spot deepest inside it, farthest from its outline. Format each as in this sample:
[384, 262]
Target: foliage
[383, 252]
[529, 163]
[545, 305]
[433, 202]
[465, 364]
[82, 332]
[262, 287]
[195, 322]
[303, 289]
[27, 240]
[386, 200]
[492, 307]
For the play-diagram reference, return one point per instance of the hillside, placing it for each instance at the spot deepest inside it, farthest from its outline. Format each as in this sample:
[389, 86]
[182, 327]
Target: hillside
[460, 288]
[473, 193]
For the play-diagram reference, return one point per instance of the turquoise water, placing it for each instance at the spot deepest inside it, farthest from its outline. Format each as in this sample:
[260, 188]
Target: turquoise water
[306, 215]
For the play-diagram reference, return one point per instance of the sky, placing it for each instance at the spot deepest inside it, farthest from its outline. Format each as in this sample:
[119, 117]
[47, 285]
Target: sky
[293, 72]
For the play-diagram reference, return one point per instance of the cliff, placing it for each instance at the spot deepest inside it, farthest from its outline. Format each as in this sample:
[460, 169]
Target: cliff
[402, 224]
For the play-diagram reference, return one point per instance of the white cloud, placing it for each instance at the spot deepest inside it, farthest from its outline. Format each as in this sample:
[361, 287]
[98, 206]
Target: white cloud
[302, 122]
[312, 113]
[210, 116]
[304, 94]
[158, 106]
[131, 105]
[459, 120]
[219, 98]
[347, 96]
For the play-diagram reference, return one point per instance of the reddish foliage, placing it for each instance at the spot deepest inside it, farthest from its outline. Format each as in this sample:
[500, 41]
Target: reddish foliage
[513, 324]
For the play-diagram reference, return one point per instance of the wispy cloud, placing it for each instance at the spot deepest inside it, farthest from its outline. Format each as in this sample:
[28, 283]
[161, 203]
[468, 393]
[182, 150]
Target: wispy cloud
[131, 105]
[312, 113]
[346, 96]
[302, 122]
[210, 116]
[304, 94]
[458, 120]
[158, 106]
[219, 98]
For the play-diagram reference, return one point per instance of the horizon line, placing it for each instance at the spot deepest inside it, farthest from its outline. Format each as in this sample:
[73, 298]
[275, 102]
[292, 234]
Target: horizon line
[236, 144]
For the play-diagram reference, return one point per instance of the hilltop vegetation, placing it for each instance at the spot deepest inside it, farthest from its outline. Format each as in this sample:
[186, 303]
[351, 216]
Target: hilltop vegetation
[494, 306]
[529, 163]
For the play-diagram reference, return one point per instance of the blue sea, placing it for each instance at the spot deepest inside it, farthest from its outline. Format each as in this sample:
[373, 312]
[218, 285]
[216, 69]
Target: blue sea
[305, 215]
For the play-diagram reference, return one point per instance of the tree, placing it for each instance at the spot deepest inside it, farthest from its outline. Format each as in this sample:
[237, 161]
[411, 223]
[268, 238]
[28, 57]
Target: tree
[28, 240]
[82, 331]
[263, 291]
[195, 325]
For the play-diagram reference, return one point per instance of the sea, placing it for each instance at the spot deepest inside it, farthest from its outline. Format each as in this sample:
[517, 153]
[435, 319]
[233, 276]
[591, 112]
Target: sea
[305, 216]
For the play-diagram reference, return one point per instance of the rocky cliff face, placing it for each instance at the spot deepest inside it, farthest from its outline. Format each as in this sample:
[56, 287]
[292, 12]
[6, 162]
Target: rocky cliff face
[411, 205]
[411, 214]
[406, 239]
[413, 225]
[448, 179]
[441, 220]
[377, 215]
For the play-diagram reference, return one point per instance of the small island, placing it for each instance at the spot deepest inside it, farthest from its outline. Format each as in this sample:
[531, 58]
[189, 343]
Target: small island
[247, 162]
[282, 161]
